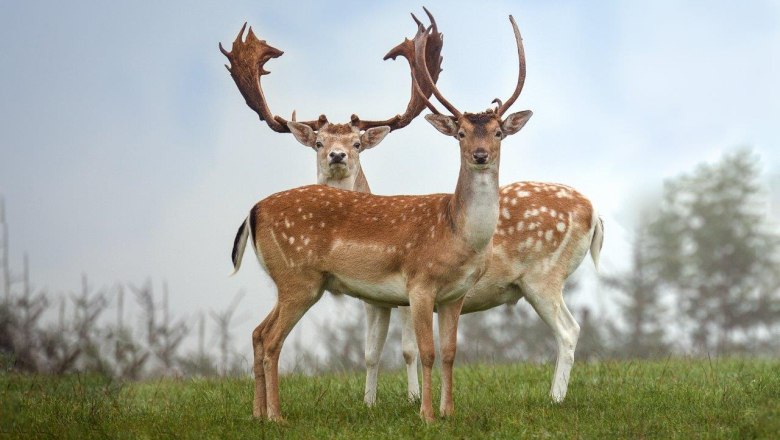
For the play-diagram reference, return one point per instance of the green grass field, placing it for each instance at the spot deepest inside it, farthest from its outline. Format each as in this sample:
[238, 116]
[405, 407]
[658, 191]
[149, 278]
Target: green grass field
[663, 399]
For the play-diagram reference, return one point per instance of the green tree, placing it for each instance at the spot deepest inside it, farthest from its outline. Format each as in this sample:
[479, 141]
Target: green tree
[712, 244]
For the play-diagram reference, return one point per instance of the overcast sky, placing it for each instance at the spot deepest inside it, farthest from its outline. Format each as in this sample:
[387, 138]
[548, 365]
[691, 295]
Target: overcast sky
[126, 151]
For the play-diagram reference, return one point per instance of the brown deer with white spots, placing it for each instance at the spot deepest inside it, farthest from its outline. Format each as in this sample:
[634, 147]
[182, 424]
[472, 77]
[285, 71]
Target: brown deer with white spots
[422, 251]
[338, 148]
[544, 232]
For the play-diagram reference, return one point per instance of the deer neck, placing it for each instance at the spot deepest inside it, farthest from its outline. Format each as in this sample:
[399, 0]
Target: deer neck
[475, 204]
[354, 182]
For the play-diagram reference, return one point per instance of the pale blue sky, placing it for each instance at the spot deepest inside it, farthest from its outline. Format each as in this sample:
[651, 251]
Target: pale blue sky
[126, 151]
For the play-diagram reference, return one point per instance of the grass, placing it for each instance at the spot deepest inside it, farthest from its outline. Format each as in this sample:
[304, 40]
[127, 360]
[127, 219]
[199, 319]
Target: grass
[662, 399]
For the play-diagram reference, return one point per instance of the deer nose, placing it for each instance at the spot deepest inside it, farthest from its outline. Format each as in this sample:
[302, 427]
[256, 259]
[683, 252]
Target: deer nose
[480, 156]
[337, 157]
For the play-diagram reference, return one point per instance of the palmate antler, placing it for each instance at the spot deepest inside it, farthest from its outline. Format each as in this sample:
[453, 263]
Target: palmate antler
[248, 57]
[419, 93]
[428, 83]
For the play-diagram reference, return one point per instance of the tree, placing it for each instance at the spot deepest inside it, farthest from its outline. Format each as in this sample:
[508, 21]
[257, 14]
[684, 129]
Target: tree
[712, 245]
[641, 332]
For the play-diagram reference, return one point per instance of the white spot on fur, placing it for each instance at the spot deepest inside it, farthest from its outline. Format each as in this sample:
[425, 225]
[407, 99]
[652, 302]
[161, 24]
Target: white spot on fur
[505, 213]
[520, 226]
[548, 235]
[291, 240]
[523, 193]
[561, 226]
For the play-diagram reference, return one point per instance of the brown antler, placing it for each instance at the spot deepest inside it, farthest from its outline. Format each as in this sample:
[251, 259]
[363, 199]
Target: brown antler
[520, 76]
[247, 59]
[422, 73]
[420, 93]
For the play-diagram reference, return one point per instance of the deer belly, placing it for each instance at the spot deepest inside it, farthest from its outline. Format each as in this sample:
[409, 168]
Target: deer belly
[460, 287]
[389, 291]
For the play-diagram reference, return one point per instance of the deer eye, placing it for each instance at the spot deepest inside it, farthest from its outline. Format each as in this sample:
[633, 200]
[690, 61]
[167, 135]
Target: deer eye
[461, 135]
[356, 145]
[318, 145]
[498, 134]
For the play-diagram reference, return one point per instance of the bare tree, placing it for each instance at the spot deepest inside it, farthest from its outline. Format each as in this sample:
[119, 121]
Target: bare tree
[229, 361]
[163, 338]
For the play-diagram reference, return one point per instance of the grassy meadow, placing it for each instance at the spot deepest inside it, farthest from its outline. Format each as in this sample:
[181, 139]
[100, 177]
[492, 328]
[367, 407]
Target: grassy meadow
[661, 399]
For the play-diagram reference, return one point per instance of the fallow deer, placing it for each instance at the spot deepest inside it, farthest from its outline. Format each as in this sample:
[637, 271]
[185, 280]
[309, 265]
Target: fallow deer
[422, 251]
[543, 233]
[338, 148]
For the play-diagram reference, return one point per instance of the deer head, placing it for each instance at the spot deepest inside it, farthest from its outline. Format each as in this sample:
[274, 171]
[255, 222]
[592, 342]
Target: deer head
[338, 146]
[479, 134]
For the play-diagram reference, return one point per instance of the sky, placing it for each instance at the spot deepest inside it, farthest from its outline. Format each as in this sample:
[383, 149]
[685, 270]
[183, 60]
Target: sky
[127, 153]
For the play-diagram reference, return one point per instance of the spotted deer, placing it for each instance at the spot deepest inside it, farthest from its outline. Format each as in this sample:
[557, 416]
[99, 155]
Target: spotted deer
[422, 251]
[338, 148]
[544, 232]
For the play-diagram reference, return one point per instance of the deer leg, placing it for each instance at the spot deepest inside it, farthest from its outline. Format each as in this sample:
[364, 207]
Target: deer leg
[290, 308]
[409, 347]
[448, 338]
[548, 302]
[422, 317]
[377, 322]
[258, 403]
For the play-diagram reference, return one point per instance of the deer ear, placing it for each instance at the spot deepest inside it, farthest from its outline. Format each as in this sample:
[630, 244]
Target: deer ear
[303, 133]
[514, 122]
[443, 123]
[373, 136]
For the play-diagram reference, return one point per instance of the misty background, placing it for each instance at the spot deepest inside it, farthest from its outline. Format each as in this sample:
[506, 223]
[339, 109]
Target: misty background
[127, 153]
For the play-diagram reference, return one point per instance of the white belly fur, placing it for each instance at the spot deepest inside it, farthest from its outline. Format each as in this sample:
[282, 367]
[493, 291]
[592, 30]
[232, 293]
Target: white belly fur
[389, 292]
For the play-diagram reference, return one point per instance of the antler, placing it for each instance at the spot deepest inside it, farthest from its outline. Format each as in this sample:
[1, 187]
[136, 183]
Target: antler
[422, 74]
[502, 106]
[520, 76]
[247, 59]
[420, 93]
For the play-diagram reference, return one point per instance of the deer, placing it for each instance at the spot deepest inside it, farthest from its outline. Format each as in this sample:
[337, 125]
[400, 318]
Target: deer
[543, 234]
[424, 251]
[338, 148]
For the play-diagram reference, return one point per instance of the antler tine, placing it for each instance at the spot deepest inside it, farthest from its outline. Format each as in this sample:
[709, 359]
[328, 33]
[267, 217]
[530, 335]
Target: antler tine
[418, 100]
[423, 72]
[521, 75]
[247, 59]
